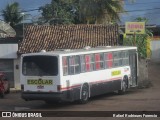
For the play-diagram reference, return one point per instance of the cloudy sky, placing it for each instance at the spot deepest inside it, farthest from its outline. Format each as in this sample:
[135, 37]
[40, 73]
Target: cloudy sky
[141, 8]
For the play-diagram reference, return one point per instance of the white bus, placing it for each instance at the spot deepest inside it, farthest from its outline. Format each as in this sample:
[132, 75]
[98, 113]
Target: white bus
[69, 75]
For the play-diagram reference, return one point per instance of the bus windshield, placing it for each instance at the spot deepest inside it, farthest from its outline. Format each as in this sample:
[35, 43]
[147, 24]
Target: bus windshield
[40, 65]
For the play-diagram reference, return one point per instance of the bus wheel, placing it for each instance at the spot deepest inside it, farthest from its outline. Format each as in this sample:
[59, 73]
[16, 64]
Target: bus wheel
[124, 87]
[84, 95]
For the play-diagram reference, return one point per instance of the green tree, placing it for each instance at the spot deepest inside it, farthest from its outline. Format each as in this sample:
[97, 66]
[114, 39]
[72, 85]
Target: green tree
[12, 15]
[58, 12]
[82, 11]
[100, 11]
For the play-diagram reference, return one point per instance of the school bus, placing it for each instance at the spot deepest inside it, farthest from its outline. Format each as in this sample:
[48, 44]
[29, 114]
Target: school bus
[71, 75]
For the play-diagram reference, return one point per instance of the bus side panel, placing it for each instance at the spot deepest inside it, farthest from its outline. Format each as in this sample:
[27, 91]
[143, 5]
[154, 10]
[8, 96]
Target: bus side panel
[105, 87]
[102, 81]
[76, 93]
[72, 86]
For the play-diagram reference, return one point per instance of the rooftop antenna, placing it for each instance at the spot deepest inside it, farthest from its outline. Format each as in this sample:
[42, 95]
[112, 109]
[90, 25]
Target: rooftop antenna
[6, 30]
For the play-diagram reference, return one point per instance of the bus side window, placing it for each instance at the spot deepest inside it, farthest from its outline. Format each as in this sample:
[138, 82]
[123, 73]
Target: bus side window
[116, 59]
[74, 65]
[77, 64]
[92, 62]
[97, 61]
[99, 64]
[71, 65]
[65, 65]
[108, 58]
[125, 57]
[82, 61]
[87, 61]
[120, 58]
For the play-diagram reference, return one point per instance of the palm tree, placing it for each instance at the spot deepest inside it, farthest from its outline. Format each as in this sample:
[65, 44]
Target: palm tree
[12, 15]
[101, 11]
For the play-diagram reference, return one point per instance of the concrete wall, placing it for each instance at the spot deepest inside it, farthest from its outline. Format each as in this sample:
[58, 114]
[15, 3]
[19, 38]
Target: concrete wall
[155, 48]
[8, 51]
[17, 74]
[143, 80]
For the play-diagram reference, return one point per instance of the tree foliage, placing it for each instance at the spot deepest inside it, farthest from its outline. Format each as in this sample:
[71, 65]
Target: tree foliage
[101, 11]
[58, 12]
[11, 14]
[82, 11]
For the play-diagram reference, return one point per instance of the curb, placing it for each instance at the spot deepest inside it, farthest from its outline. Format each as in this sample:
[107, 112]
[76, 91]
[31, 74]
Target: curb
[14, 90]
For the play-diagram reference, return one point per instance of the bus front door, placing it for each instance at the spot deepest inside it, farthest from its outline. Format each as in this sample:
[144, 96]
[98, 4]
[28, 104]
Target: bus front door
[133, 66]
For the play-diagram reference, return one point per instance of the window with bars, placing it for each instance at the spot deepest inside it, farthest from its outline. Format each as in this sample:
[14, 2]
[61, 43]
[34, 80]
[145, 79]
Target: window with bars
[65, 65]
[108, 59]
[121, 58]
[90, 62]
[74, 65]
[117, 59]
[83, 67]
[125, 56]
[99, 61]
[87, 63]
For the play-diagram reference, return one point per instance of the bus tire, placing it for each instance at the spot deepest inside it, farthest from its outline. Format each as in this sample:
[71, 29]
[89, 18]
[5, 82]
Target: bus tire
[124, 86]
[84, 95]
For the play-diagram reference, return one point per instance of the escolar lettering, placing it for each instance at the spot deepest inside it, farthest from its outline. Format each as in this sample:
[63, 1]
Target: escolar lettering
[39, 82]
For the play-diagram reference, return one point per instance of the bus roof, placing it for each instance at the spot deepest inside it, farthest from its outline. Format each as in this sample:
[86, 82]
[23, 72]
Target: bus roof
[83, 51]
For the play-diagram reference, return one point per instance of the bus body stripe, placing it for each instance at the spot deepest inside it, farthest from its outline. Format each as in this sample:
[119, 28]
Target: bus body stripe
[71, 87]
[91, 83]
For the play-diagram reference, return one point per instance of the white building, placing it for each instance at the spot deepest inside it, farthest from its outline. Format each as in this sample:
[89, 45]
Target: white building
[9, 60]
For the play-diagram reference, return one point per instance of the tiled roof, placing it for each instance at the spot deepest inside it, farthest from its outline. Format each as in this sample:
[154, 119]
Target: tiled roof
[49, 38]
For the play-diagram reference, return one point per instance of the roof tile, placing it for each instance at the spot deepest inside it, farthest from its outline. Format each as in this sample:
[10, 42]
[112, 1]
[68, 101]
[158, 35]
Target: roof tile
[50, 38]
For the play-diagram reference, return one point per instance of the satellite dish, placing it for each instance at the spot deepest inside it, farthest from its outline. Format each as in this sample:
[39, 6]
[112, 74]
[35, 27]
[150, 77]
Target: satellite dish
[6, 30]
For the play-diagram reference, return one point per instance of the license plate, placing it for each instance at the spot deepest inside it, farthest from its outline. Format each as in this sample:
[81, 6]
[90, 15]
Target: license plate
[39, 82]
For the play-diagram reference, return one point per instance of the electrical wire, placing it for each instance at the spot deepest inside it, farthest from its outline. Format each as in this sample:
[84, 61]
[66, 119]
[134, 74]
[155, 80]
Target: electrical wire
[142, 3]
[128, 11]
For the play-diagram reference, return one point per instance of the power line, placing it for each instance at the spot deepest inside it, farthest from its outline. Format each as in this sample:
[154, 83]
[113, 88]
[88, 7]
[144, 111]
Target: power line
[118, 12]
[139, 10]
[30, 10]
[142, 3]
[143, 14]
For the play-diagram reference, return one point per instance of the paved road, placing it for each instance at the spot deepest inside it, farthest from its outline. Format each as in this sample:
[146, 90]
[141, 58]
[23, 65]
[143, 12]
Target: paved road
[147, 99]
